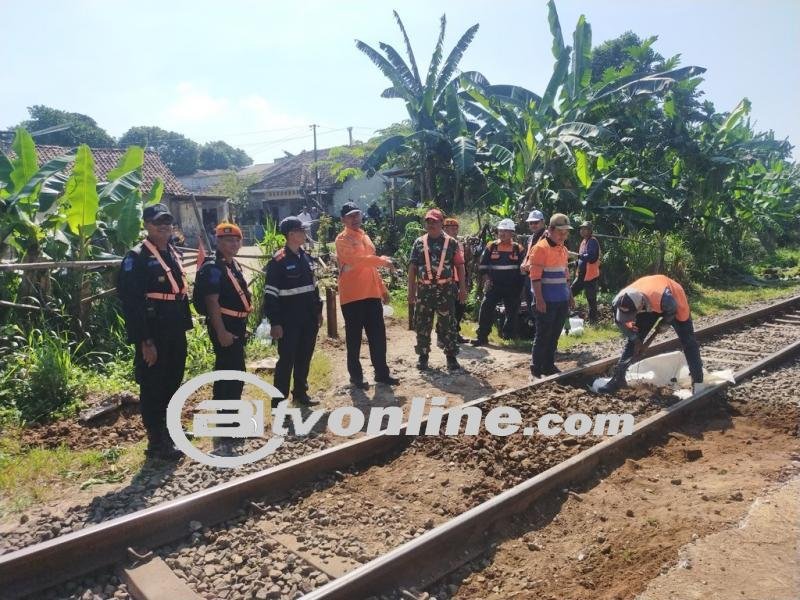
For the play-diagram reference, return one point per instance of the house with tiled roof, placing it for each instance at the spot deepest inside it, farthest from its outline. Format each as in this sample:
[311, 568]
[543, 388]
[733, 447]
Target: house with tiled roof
[291, 184]
[213, 208]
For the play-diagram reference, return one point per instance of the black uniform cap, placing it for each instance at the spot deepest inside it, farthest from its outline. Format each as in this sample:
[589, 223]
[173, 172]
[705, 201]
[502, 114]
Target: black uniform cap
[151, 213]
[291, 224]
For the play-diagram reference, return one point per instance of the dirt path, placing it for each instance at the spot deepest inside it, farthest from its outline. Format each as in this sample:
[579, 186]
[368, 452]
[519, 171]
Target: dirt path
[665, 517]
[723, 565]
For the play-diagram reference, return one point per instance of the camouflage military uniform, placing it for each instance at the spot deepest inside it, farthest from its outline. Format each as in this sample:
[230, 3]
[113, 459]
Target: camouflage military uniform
[436, 297]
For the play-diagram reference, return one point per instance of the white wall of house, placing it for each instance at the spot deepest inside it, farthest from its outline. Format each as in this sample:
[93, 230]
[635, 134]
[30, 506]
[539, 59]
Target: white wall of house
[363, 191]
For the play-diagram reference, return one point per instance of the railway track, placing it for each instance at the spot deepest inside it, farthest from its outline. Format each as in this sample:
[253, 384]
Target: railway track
[747, 343]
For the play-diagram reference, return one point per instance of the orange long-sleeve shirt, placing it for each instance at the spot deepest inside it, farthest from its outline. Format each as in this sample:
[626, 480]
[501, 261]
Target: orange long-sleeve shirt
[358, 267]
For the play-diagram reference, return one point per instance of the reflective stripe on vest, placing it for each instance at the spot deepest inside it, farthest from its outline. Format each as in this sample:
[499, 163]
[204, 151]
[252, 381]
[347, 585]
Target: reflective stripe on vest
[440, 268]
[176, 291]
[298, 290]
[242, 296]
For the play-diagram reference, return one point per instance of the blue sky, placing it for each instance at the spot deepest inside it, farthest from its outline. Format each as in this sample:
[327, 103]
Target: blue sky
[256, 74]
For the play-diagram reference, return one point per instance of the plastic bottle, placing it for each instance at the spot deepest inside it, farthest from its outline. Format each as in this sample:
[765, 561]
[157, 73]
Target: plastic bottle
[263, 331]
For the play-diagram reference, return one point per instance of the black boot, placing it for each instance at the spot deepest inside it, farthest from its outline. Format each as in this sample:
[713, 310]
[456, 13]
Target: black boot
[422, 363]
[452, 364]
[160, 446]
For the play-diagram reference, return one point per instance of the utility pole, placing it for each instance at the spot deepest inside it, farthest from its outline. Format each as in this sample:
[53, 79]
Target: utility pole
[350, 135]
[316, 167]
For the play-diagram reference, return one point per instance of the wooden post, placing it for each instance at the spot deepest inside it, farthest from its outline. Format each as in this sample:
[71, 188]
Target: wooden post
[330, 304]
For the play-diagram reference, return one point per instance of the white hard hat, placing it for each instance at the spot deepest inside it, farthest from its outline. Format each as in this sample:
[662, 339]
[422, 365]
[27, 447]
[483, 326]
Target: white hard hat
[506, 224]
[535, 215]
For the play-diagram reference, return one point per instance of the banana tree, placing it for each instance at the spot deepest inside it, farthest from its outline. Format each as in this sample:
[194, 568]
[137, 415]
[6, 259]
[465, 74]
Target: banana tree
[441, 143]
[560, 140]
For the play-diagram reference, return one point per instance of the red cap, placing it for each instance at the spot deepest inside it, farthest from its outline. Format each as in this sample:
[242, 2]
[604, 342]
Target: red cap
[434, 214]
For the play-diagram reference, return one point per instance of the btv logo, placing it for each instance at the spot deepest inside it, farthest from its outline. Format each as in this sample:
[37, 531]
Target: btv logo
[241, 419]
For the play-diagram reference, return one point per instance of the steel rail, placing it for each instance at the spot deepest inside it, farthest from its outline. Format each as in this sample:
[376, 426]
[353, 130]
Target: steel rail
[445, 548]
[45, 564]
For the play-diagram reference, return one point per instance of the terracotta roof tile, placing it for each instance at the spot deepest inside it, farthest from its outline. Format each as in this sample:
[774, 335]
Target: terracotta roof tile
[105, 159]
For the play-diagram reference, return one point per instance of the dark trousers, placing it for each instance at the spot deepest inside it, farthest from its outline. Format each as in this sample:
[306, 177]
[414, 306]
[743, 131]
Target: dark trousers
[685, 331]
[229, 358]
[510, 297]
[590, 288]
[548, 329]
[158, 383]
[295, 349]
[529, 302]
[365, 315]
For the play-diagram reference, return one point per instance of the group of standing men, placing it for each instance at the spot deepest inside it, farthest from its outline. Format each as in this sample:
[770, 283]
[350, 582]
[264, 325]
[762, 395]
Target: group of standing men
[153, 289]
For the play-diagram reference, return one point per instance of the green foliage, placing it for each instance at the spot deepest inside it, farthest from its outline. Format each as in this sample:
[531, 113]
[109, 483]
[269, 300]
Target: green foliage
[236, 187]
[326, 229]
[178, 152]
[81, 130]
[440, 149]
[412, 231]
[39, 378]
[640, 254]
[219, 155]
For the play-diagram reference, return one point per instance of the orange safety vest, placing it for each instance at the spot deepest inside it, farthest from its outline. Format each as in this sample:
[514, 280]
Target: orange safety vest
[440, 268]
[592, 269]
[239, 314]
[177, 293]
[653, 286]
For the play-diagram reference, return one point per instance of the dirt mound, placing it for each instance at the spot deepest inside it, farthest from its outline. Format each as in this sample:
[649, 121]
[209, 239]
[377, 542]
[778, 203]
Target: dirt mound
[119, 426]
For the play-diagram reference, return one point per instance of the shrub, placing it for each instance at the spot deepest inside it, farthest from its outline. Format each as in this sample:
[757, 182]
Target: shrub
[40, 378]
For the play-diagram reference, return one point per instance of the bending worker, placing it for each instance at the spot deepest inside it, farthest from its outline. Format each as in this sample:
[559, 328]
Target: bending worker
[636, 310]
[501, 278]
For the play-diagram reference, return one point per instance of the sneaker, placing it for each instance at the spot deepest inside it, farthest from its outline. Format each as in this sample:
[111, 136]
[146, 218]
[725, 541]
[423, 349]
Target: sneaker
[388, 380]
[452, 364]
[480, 342]
[359, 384]
[551, 371]
[422, 363]
[304, 399]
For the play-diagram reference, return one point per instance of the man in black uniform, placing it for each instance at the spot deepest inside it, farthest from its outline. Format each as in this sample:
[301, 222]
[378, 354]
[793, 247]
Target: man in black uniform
[152, 289]
[500, 273]
[294, 309]
[220, 293]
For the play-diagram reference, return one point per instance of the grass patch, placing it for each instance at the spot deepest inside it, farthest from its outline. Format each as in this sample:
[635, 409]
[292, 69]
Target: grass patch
[707, 301]
[31, 476]
[319, 376]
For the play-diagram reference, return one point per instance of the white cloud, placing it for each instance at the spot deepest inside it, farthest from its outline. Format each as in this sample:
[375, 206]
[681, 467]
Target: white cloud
[264, 115]
[193, 104]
